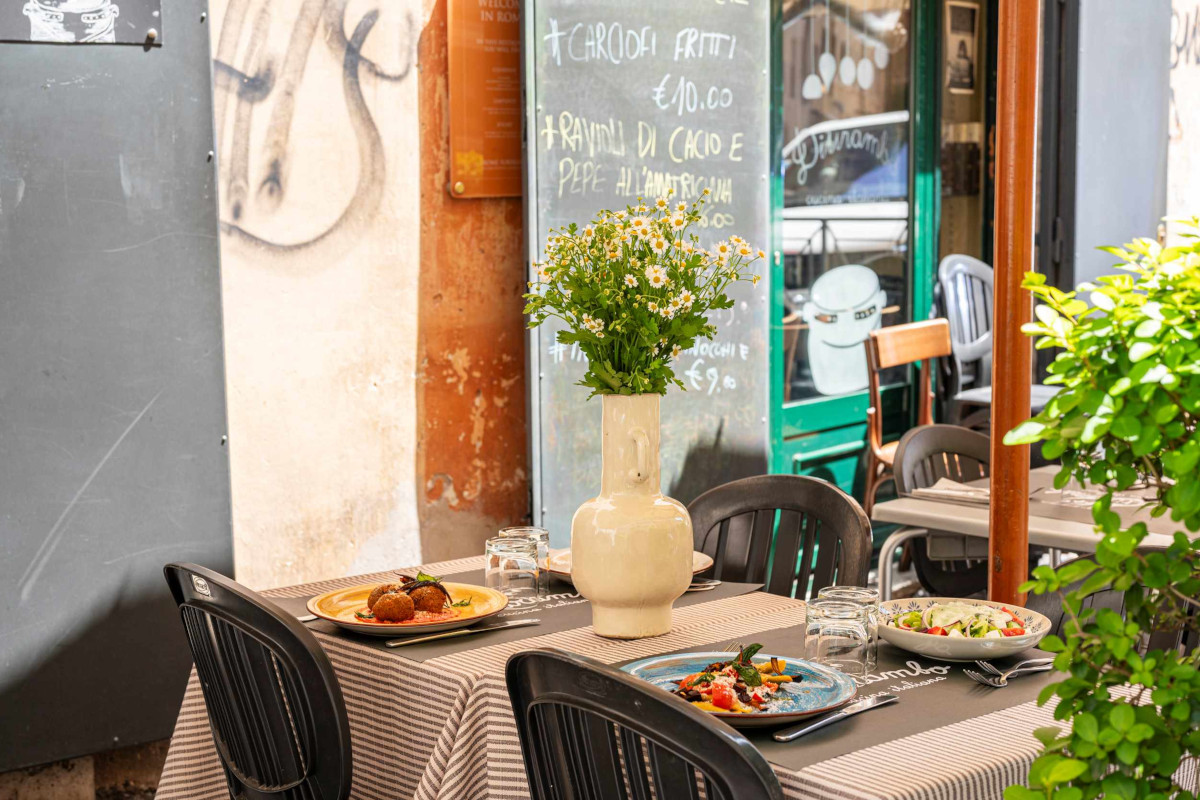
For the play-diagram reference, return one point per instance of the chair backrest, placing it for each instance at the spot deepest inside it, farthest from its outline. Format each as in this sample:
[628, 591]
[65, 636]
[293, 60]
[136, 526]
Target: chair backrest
[590, 732]
[903, 344]
[793, 533]
[1050, 605]
[967, 292]
[278, 719]
[930, 452]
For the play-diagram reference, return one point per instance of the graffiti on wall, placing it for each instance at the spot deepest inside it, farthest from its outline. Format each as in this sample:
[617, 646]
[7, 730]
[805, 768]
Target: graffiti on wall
[251, 82]
[1184, 52]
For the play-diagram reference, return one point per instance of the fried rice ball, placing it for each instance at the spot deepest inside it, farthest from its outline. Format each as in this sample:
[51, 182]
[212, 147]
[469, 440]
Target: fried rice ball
[379, 591]
[394, 607]
[429, 598]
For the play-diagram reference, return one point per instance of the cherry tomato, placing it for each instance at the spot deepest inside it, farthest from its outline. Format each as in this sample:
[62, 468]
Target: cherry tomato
[1012, 632]
[722, 696]
[687, 682]
[937, 631]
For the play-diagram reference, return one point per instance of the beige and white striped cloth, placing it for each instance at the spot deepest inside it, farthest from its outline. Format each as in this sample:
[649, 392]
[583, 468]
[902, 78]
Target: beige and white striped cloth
[460, 742]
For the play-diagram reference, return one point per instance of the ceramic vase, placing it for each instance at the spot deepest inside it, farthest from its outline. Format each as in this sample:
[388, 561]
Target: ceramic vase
[631, 547]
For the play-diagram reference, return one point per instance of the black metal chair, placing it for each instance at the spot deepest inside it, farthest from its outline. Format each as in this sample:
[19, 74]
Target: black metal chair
[278, 718]
[590, 732]
[793, 533]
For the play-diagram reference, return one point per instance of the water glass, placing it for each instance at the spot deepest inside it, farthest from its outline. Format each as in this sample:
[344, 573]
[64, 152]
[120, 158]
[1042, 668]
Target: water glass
[512, 565]
[836, 636]
[542, 537]
[868, 599]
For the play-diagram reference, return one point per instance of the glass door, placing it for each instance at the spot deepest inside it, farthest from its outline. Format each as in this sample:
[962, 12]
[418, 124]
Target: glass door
[847, 227]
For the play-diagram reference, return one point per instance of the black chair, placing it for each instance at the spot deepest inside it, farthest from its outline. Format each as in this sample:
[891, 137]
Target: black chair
[1050, 606]
[584, 725]
[925, 454]
[278, 718]
[793, 533]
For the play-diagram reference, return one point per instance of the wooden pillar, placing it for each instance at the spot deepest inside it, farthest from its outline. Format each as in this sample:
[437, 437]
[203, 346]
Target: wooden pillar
[1019, 39]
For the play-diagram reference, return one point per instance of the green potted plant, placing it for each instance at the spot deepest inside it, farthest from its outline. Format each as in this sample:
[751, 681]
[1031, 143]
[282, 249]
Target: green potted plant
[1128, 414]
[632, 289]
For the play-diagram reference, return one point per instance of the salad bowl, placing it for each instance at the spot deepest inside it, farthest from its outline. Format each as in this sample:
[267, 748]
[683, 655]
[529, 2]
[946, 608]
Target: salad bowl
[945, 647]
[815, 690]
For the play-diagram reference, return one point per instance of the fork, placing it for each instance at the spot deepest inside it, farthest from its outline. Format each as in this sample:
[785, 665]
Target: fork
[989, 667]
[998, 681]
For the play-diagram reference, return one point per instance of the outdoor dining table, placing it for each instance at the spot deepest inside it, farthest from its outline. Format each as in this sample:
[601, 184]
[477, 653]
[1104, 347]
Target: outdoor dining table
[434, 721]
[1069, 530]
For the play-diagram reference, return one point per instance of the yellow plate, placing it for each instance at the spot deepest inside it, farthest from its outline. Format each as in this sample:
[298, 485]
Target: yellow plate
[339, 606]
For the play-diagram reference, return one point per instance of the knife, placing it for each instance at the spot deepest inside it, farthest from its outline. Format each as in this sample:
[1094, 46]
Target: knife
[519, 623]
[788, 734]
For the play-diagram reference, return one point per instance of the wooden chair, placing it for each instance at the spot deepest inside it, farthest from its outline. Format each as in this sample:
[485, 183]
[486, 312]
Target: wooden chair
[895, 346]
[822, 537]
[278, 718]
[591, 732]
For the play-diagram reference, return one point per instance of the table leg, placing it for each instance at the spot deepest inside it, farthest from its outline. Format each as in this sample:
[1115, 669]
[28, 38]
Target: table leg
[887, 554]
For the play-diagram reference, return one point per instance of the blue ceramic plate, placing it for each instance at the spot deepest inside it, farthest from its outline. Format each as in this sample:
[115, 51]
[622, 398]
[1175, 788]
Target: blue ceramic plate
[815, 688]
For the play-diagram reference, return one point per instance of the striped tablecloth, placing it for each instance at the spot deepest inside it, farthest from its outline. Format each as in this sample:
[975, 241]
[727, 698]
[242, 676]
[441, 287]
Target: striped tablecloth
[460, 741]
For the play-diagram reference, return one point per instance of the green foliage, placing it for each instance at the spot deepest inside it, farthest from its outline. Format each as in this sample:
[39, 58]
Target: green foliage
[1129, 367]
[634, 289]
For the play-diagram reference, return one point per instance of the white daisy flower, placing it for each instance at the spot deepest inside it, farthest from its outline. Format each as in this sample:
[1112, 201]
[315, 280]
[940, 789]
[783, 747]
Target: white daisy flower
[661, 202]
[687, 298]
[641, 209]
[676, 304]
[681, 207]
[652, 307]
[630, 281]
[640, 226]
[678, 222]
[589, 232]
[659, 245]
[762, 254]
[723, 249]
[676, 351]
[656, 275]
[745, 251]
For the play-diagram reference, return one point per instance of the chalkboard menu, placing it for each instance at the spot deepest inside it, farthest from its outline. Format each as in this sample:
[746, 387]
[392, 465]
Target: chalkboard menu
[628, 99]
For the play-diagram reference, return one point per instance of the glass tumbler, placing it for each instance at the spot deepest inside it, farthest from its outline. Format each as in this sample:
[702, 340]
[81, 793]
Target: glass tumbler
[542, 537]
[868, 599]
[836, 636]
[512, 565]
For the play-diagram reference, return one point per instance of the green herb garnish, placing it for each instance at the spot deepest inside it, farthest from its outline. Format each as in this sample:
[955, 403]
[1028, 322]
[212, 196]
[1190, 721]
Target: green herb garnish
[462, 603]
[421, 576]
[361, 615]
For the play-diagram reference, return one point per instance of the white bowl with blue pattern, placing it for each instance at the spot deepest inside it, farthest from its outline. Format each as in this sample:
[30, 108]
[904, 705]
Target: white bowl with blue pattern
[953, 648]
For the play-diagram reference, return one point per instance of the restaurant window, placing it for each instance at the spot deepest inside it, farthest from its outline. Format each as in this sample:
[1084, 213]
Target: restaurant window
[846, 204]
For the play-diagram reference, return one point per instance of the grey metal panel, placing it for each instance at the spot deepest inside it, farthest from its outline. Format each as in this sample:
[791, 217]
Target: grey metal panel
[718, 430]
[1121, 129]
[112, 410]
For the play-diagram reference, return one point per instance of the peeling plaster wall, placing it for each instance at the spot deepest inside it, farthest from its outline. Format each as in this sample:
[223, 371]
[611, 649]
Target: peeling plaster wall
[1183, 150]
[316, 116]
[471, 393]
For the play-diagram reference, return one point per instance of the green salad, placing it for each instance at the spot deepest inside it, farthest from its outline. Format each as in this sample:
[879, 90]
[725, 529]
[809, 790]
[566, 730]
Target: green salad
[963, 620]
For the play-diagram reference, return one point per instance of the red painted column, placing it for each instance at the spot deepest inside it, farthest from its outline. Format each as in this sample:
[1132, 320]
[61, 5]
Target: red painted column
[1016, 208]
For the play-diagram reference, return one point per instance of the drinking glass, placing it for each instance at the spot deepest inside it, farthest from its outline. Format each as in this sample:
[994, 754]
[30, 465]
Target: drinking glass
[512, 565]
[836, 636]
[868, 599]
[542, 537]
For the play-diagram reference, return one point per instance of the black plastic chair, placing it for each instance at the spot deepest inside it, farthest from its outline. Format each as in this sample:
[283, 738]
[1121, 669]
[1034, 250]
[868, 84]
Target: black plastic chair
[278, 718]
[822, 538]
[1050, 606]
[925, 454]
[590, 732]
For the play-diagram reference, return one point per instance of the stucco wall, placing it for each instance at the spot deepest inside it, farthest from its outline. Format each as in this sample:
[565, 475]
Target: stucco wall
[1183, 151]
[316, 116]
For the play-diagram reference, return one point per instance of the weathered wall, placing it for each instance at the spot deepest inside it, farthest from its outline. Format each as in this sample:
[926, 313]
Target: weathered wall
[471, 455]
[316, 117]
[1183, 152]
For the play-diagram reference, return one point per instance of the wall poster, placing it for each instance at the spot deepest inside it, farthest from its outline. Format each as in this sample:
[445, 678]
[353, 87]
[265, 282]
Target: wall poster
[82, 21]
[485, 98]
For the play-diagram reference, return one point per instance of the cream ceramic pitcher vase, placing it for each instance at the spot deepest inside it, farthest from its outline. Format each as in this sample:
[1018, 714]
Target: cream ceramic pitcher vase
[631, 547]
